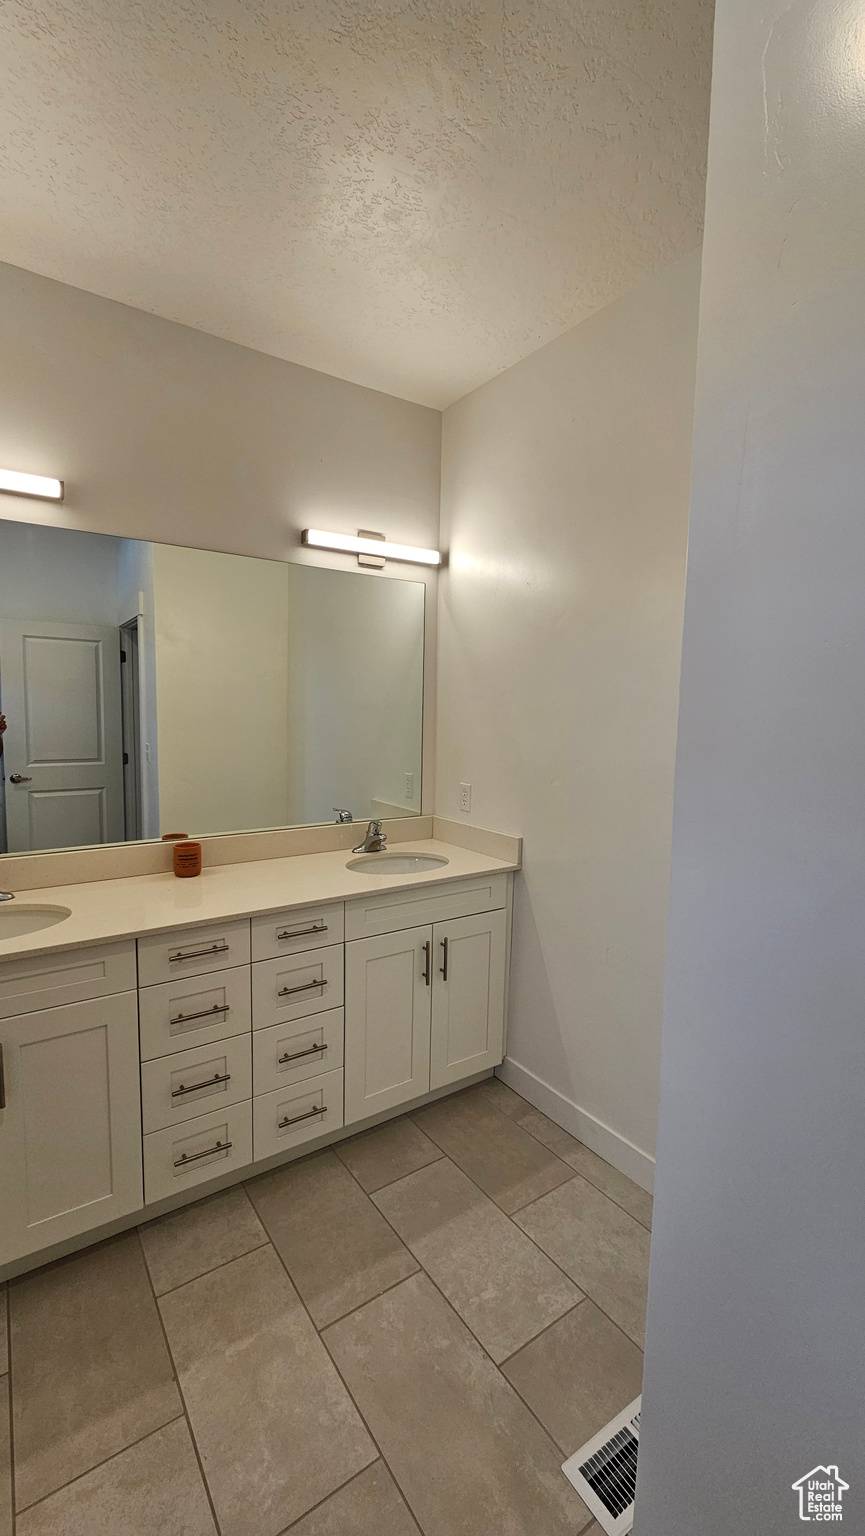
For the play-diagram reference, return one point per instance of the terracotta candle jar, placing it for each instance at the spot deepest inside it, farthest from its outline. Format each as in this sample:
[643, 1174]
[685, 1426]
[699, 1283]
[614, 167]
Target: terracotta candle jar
[187, 858]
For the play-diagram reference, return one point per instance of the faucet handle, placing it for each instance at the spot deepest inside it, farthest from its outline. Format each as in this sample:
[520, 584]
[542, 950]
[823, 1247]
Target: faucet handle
[343, 815]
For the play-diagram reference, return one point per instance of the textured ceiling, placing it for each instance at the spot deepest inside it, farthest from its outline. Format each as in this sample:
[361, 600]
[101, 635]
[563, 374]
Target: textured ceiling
[412, 194]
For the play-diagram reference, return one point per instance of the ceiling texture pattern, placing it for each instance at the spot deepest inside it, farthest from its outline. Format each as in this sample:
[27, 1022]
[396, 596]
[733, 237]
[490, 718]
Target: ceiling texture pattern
[412, 194]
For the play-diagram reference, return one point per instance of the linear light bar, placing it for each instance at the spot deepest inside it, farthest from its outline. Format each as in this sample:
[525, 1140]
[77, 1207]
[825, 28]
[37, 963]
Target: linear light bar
[350, 544]
[30, 485]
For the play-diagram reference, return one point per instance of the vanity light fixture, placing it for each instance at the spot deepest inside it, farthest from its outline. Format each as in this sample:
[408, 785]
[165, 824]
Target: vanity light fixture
[39, 486]
[352, 544]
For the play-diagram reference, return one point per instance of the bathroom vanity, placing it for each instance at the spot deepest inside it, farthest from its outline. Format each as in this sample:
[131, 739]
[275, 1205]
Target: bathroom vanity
[169, 1036]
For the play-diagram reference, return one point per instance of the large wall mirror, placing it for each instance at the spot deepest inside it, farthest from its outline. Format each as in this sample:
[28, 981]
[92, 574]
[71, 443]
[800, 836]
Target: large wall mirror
[149, 688]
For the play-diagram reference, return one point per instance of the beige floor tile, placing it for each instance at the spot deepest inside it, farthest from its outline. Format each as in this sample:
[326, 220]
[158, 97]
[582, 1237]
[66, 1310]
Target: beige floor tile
[499, 1096]
[495, 1277]
[371, 1505]
[338, 1249]
[152, 1489]
[389, 1152]
[5, 1461]
[469, 1457]
[275, 1427]
[190, 1242]
[603, 1175]
[90, 1369]
[508, 1164]
[578, 1375]
[603, 1249]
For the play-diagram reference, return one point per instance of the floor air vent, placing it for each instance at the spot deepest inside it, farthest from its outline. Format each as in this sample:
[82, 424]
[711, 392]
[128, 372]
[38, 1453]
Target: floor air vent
[604, 1472]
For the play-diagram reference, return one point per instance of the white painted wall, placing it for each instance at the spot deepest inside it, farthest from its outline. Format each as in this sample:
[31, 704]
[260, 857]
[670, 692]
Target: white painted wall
[755, 1361]
[565, 503]
[221, 628]
[165, 433]
[355, 690]
[50, 573]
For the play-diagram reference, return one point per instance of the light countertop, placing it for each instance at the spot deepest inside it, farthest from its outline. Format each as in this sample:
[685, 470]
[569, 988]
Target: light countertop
[102, 910]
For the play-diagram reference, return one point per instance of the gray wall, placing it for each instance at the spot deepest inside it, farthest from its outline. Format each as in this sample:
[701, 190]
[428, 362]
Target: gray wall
[755, 1367]
[565, 488]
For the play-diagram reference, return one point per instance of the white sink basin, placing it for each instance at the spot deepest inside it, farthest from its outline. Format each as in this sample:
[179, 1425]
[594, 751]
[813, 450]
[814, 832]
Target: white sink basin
[16, 918]
[396, 863]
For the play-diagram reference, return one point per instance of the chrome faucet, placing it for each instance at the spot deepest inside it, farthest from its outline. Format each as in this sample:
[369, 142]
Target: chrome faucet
[7, 895]
[343, 815]
[374, 841]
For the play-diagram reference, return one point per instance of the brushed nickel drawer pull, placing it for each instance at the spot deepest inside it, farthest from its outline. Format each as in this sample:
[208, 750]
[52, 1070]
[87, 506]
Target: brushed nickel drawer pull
[444, 965]
[300, 933]
[192, 1157]
[296, 1119]
[427, 973]
[198, 954]
[205, 1013]
[306, 986]
[177, 1093]
[312, 1050]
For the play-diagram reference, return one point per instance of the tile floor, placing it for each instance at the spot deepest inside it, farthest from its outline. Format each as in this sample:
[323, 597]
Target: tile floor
[405, 1334]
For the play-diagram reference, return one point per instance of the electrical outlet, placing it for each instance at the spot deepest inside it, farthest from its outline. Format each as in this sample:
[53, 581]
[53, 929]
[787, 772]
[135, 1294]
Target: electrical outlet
[465, 797]
[409, 786]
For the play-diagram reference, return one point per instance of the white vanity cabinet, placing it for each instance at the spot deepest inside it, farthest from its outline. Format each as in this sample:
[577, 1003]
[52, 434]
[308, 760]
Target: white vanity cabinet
[424, 1005]
[468, 996]
[140, 1071]
[388, 982]
[70, 1121]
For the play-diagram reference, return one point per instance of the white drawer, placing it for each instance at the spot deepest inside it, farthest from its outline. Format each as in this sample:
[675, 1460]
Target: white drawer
[194, 1010]
[297, 985]
[370, 915]
[67, 976]
[295, 1114]
[191, 1083]
[286, 933]
[292, 1052]
[192, 951]
[200, 1149]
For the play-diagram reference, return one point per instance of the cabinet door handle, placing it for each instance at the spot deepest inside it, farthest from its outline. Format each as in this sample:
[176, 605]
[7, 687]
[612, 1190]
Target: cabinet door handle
[2, 1081]
[192, 1157]
[300, 933]
[312, 1050]
[198, 954]
[177, 1093]
[205, 1013]
[427, 973]
[305, 986]
[444, 965]
[320, 1109]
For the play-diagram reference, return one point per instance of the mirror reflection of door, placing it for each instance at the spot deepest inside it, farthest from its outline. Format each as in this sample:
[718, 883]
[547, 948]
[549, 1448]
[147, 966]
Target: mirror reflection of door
[63, 744]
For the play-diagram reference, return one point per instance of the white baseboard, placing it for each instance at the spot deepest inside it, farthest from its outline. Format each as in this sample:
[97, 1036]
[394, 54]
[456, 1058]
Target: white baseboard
[608, 1144]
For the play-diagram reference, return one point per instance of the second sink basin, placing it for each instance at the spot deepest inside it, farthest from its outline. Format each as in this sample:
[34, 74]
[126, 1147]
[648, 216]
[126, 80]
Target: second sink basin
[16, 918]
[396, 863]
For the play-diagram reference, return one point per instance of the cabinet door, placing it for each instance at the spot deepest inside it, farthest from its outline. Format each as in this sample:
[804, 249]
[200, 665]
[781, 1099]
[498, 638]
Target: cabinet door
[70, 1131]
[468, 1012]
[388, 987]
